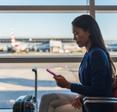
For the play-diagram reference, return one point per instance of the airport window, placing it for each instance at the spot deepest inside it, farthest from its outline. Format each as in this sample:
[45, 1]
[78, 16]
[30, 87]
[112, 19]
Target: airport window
[18, 77]
[37, 33]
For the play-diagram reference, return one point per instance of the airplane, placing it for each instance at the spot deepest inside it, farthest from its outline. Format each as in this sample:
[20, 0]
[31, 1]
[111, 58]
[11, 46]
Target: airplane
[18, 46]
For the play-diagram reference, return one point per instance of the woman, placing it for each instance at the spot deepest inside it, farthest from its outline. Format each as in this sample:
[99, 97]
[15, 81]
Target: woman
[96, 69]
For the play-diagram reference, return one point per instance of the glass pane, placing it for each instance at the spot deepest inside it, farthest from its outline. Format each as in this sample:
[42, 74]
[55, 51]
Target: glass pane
[37, 32]
[106, 2]
[43, 2]
[36, 24]
[108, 24]
[18, 79]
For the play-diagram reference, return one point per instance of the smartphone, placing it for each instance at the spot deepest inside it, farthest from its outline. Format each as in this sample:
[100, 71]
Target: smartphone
[54, 74]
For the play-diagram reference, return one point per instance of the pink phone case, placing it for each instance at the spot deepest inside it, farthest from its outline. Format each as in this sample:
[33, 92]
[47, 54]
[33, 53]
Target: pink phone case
[54, 74]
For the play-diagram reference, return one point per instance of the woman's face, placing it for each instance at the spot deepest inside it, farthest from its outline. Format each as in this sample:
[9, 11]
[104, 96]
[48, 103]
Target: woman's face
[81, 37]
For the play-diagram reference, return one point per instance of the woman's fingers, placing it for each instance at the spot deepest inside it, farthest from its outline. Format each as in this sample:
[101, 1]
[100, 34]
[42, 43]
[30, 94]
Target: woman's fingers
[77, 103]
[62, 82]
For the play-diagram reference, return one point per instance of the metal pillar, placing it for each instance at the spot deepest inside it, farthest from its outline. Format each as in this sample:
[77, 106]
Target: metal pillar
[92, 8]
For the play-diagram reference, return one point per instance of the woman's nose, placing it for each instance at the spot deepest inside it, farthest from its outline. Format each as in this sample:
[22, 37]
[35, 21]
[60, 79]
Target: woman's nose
[75, 37]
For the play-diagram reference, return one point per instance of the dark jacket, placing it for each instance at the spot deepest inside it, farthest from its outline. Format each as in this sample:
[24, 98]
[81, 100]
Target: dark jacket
[95, 77]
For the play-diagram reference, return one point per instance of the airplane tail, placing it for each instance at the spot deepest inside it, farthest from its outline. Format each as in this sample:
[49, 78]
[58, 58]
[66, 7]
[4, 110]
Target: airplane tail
[13, 40]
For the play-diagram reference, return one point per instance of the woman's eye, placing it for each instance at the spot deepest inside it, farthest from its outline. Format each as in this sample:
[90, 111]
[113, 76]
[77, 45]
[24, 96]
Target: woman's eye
[75, 35]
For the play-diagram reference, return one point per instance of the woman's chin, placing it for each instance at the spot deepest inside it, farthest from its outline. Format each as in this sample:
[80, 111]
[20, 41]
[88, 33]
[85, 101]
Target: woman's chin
[80, 45]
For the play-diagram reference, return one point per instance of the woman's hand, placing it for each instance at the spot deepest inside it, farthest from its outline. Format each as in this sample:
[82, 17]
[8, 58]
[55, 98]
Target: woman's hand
[77, 102]
[62, 82]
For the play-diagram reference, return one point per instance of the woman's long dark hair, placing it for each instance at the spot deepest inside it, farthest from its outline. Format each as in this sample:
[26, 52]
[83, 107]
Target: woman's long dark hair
[88, 23]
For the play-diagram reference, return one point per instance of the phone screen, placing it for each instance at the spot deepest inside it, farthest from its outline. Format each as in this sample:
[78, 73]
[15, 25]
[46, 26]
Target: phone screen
[54, 74]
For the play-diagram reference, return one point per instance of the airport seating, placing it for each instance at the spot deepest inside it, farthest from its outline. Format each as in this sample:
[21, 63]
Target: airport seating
[89, 100]
[111, 100]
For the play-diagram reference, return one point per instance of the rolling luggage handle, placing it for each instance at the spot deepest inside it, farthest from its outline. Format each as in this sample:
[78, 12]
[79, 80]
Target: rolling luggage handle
[27, 103]
[35, 99]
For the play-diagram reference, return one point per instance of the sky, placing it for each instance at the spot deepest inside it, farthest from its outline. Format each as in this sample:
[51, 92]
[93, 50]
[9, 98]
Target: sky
[52, 25]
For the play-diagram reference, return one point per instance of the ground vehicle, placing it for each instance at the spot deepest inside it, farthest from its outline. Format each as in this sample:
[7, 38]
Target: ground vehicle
[42, 47]
[112, 47]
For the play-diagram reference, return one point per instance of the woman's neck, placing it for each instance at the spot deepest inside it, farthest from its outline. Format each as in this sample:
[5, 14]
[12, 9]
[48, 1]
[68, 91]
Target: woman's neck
[88, 46]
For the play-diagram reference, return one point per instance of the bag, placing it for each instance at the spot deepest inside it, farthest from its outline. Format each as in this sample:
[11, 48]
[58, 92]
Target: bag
[24, 104]
[27, 103]
[114, 91]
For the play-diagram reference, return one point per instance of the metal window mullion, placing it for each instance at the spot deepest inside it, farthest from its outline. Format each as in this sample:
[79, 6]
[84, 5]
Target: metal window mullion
[41, 59]
[52, 59]
[106, 9]
[57, 8]
[92, 8]
[53, 8]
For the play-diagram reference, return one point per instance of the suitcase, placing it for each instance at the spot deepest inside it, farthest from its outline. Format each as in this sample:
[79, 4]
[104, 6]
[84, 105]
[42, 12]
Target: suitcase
[27, 103]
